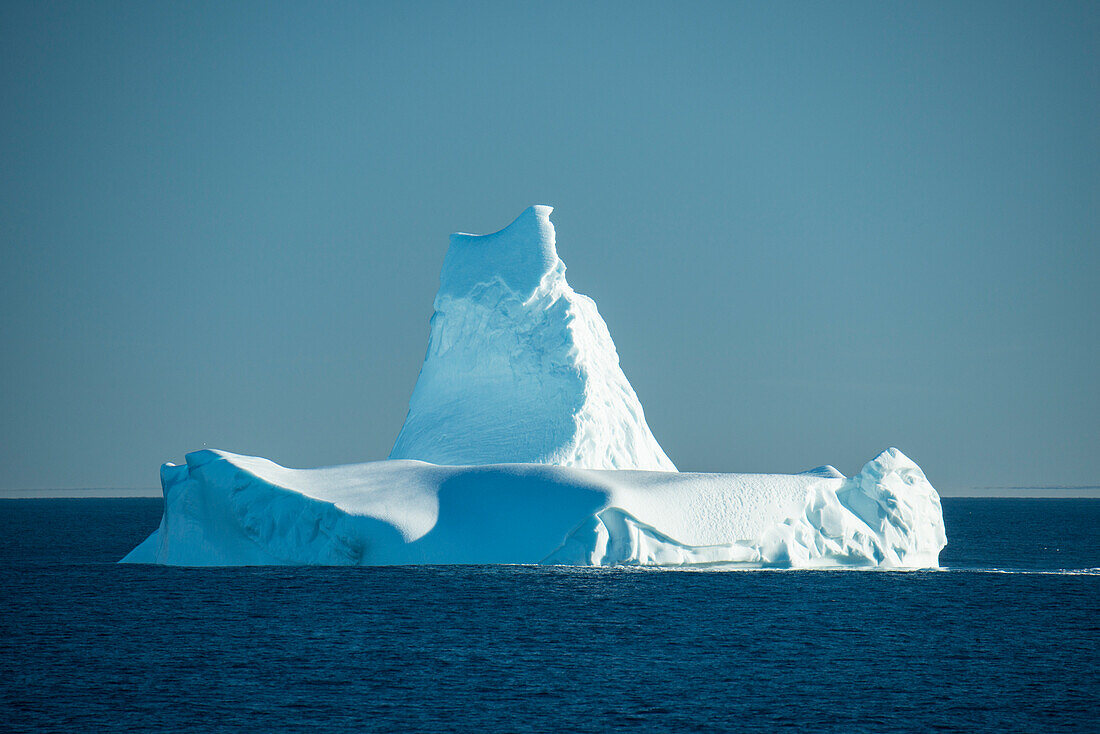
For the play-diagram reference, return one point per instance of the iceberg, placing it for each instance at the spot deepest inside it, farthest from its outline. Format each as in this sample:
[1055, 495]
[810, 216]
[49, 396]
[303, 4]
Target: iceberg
[525, 443]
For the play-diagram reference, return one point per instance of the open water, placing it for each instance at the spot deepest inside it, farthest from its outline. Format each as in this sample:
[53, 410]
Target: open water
[1004, 638]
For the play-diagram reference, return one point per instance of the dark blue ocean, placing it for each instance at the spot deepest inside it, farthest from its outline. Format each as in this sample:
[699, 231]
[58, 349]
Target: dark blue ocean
[1005, 638]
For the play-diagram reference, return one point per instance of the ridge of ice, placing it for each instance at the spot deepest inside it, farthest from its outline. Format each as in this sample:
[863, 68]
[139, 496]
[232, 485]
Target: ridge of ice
[520, 367]
[824, 471]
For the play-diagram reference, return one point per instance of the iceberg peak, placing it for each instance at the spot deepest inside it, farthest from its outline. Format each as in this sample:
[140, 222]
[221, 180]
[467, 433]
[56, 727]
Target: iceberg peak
[519, 256]
[521, 368]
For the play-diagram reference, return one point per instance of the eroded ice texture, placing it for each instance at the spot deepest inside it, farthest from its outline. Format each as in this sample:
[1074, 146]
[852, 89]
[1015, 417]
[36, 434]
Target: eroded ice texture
[224, 509]
[520, 368]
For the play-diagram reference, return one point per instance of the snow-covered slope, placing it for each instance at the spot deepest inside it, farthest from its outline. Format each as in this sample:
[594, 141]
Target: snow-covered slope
[223, 509]
[520, 368]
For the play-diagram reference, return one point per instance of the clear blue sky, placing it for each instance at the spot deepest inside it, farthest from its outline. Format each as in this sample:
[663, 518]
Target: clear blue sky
[815, 229]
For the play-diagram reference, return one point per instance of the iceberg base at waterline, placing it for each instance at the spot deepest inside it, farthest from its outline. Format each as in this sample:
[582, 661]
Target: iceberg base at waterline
[223, 509]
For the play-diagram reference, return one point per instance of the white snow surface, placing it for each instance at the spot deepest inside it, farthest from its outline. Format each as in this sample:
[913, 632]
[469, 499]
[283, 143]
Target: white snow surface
[225, 509]
[520, 368]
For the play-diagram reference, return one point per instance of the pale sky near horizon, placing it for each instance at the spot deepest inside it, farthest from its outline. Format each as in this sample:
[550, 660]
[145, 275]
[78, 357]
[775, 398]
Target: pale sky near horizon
[814, 230]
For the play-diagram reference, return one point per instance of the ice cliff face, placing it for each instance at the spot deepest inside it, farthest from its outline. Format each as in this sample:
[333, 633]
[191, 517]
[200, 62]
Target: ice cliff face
[521, 368]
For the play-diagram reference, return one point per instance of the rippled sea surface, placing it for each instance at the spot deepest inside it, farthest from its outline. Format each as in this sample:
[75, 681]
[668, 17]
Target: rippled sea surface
[1007, 636]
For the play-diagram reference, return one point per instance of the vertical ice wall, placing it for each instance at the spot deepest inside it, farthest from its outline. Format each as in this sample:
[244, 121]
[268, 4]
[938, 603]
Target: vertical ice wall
[520, 368]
